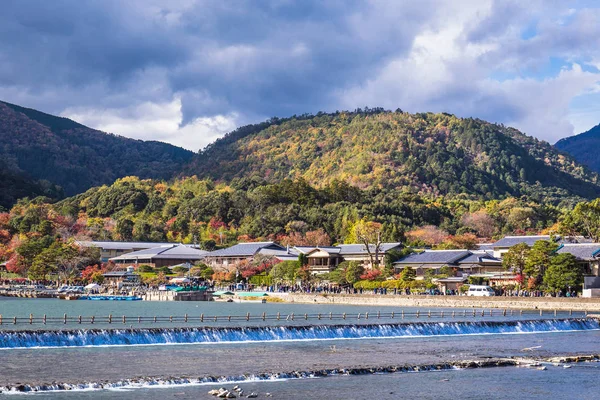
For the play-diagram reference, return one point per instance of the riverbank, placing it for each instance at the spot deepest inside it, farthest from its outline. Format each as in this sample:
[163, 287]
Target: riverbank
[536, 303]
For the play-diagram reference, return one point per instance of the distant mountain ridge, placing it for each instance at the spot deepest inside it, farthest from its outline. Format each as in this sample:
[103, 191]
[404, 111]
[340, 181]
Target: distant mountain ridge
[428, 153]
[41, 146]
[583, 147]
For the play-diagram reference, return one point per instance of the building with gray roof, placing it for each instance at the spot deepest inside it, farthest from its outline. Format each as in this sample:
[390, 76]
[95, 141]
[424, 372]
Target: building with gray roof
[463, 261]
[359, 252]
[229, 256]
[587, 254]
[110, 249]
[501, 246]
[320, 258]
[163, 256]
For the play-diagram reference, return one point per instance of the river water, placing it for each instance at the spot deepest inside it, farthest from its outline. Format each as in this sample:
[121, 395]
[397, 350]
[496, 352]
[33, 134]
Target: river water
[300, 347]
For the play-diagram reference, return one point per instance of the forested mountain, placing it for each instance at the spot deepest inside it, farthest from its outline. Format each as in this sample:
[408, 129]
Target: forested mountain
[583, 147]
[14, 186]
[39, 146]
[426, 153]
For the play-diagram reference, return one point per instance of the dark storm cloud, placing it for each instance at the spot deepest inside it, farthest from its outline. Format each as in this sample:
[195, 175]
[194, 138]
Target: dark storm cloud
[287, 54]
[72, 43]
[154, 69]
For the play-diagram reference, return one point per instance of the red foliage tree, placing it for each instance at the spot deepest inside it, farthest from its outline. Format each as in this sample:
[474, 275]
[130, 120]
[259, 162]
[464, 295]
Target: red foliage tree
[92, 273]
[371, 274]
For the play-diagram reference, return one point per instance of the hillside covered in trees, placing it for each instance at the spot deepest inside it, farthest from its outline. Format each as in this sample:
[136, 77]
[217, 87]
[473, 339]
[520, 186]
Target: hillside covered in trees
[425, 153]
[149, 210]
[290, 212]
[583, 147]
[37, 146]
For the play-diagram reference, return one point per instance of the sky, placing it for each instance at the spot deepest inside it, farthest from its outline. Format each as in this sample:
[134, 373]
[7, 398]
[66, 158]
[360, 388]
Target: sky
[188, 71]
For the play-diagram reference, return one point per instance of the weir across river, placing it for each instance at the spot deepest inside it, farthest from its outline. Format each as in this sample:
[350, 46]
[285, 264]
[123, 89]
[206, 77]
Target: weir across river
[115, 336]
[6, 322]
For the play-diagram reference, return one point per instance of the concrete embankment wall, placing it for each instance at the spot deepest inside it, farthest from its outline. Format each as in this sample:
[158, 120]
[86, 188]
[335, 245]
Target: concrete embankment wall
[539, 303]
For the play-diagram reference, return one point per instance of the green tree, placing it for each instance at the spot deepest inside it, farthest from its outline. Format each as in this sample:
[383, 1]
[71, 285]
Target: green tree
[391, 257]
[145, 268]
[41, 268]
[516, 258]
[285, 271]
[354, 270]
[53, 259]
[408, 274]
[303, 259]
[31, 247]
[338, 276]
[124, 229]
[207, 273]
[583, 220]
[539, 257]
[562, 273]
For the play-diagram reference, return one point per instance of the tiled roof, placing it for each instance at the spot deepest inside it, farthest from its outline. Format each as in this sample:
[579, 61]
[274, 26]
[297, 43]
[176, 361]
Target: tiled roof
[305, 249]
[435, 257]
[164, 252]
[346, 249]
[485, 246]
[585, 251]
[575, 239]
[477, 257]
[244, 249]
[122, 245]
[509, 241]
[182, 252]
[281, 254]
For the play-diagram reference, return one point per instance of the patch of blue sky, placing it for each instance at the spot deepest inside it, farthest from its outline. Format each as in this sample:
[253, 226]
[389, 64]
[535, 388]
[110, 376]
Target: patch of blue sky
[584, 111]
[542, 71]
[530, 30]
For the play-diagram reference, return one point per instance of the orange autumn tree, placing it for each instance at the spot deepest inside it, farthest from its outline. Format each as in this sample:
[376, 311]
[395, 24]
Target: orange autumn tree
[428, 235]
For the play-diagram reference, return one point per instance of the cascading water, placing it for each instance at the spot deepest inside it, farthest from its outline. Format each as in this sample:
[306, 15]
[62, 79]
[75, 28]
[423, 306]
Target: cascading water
[159, 336]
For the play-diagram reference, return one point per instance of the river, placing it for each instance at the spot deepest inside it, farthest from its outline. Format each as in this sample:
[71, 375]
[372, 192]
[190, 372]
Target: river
[295, 349]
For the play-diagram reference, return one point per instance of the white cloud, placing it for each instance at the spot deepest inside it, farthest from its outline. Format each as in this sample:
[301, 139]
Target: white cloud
[545, 104]
[446, 72]
[156, 121]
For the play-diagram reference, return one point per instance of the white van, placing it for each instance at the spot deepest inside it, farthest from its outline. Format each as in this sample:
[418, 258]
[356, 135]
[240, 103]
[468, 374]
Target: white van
[480, 290]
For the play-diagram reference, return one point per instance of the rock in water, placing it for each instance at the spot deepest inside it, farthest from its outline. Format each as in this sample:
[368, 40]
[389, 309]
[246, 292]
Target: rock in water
[252, 396]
